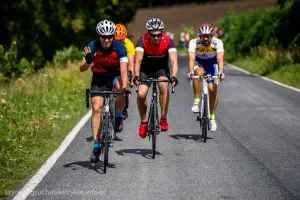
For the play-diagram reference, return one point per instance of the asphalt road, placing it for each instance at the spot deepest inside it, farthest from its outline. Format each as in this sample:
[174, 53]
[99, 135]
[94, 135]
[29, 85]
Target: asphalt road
[254, 154]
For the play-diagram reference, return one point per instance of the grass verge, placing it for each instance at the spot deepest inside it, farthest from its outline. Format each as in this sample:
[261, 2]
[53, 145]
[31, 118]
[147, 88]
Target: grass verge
[36, 113]
[278, 66]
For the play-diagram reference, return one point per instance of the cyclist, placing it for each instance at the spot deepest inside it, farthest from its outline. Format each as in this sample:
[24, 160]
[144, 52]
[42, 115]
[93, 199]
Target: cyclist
[121, 35]
[108, 60]
[153, 52]
[205, 54]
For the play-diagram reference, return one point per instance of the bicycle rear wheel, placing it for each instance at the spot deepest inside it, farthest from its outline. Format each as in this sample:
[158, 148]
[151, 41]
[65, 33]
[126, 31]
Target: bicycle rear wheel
[106, 143]
[204, 120]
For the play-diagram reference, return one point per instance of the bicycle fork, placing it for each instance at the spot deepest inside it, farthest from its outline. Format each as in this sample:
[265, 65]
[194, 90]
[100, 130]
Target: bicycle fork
[204, 95]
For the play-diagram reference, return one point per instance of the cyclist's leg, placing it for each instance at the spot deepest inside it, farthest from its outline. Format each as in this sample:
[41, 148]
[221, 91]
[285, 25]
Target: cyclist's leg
[142, 96]
[213, 95]
[164, 96]
[117, 84]
[142, 104]
[98, 83]
[197, 85]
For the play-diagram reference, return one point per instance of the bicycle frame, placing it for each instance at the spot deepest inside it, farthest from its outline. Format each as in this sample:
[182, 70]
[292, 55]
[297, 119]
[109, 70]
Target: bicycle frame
[204, 93]
[153, 127]
[107, 121]
[204, 111]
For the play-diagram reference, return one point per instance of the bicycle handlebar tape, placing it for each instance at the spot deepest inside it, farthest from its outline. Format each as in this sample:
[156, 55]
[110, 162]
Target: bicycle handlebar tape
[89, 58]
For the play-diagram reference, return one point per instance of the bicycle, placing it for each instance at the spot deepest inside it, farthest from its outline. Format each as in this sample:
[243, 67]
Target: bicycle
[204, 111]
[153, 126]
[130, 76]
[108, 120]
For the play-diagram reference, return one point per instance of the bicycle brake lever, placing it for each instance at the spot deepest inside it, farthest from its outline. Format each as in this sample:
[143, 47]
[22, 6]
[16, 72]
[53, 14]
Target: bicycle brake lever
[173, 89]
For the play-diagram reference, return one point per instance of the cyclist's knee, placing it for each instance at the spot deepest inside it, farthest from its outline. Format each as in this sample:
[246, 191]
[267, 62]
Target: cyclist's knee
[97, 108]
[118, 85]
[142, 96]
[212, 90]
[199, 71]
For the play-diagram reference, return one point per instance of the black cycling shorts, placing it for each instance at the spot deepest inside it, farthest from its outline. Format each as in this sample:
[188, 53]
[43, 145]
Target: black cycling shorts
[104, 81]
[153, 73]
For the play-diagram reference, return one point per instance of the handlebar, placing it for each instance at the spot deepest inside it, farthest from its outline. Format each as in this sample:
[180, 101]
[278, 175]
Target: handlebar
[156, 80]
[203, 77]
[106, 93]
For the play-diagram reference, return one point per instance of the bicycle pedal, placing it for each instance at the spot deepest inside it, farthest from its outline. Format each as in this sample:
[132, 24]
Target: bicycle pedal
[110, 145]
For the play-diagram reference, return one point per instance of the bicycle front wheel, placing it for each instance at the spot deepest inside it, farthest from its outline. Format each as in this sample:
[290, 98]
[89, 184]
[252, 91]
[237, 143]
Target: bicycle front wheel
[106, 143]
[154, 121]
[113, 116]
[204, 120]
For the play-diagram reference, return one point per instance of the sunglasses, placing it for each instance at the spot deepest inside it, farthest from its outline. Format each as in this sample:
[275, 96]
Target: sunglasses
[155, 35]
[106, 37]
[205, 35]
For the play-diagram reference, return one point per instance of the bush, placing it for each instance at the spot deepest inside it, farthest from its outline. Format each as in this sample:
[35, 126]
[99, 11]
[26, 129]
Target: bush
[253, 28]
[10, 65]
[66, 54]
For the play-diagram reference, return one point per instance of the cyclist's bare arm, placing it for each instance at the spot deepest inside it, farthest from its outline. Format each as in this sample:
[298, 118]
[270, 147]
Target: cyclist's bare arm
[130, 63]
[191, 57]
[220, 59]
[124, 73]
[174, 63]
[84, 66]
[137, 62]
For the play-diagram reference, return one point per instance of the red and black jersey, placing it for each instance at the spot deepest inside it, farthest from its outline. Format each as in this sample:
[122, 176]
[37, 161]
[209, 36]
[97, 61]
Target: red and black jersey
[155, 55]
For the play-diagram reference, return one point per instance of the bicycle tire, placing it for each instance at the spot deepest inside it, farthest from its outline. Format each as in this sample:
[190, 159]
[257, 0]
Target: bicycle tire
[204, 121]
[154, 132]
[106, 144]
[113, 115]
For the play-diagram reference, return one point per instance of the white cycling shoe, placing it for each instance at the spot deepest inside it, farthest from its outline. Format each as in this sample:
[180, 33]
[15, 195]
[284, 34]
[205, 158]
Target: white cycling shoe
[195, 108]
[212, 125]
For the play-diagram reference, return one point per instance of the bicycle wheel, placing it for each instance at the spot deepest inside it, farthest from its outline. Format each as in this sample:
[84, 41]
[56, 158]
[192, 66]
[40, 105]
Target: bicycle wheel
[204, 120]
[113, 116]
[154, 132]
[106, 143]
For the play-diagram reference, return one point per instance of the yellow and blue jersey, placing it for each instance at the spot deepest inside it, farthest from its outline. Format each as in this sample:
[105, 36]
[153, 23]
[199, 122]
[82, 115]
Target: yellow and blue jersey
[206, 55]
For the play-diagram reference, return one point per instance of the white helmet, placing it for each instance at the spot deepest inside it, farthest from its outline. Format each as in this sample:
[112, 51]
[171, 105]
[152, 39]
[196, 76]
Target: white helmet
[106, 27]
[154, 24]
[206, 29]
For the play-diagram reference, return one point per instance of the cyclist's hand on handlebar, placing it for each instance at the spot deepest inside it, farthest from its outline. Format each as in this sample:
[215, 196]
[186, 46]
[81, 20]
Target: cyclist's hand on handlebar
[126, 92]
[136, 80]
[130, 79]
[174, 81]
[221, 75]
[88, 55]
[190, 75]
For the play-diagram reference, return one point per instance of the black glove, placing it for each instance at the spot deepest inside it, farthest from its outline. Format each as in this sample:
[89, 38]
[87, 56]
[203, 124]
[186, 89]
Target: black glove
[136, 79]
[89, 58]
[126, 91]
[130, 75]
[174, 79]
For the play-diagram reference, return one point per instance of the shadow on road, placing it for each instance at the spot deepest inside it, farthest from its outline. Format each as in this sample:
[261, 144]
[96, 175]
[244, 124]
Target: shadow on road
[90, 139]
[87, 164]
[146, 153]
[194, 137]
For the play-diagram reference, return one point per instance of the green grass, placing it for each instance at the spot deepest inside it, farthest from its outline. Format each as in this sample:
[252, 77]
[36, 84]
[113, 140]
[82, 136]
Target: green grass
[36, 113]
[182, 51]
[288, 74]
[274, 65]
